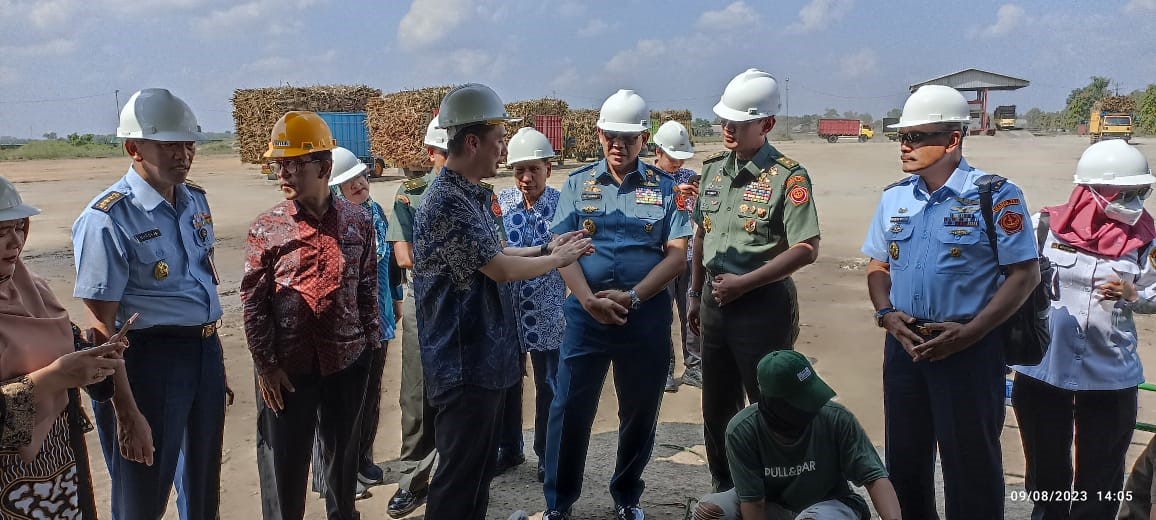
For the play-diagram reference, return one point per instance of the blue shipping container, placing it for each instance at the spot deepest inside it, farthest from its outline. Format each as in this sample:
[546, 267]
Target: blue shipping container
[350, 132]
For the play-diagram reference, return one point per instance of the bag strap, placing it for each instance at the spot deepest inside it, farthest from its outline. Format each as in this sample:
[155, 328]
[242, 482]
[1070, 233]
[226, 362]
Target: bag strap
[987, 185]
[1042, 231]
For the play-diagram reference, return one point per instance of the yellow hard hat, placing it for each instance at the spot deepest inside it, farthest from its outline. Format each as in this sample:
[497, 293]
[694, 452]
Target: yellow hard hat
[299, 133]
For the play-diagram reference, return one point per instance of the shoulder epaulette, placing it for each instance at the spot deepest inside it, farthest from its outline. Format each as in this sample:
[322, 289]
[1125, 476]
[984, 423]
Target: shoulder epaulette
[486, 186]
[108, 201]
[995, 181]
[715, 156]
[788, 163]
[660, 171]
[583, 169]
[414, 184]
[899, 182]
[195, 187]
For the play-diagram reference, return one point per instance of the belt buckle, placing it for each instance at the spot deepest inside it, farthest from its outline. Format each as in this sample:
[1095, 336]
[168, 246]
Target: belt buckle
[208, 330]
[923, 330]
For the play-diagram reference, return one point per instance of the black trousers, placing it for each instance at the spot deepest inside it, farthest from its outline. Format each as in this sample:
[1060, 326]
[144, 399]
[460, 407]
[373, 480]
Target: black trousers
[330, 406]
[466, 436]
[734, 338]
[1102, 423]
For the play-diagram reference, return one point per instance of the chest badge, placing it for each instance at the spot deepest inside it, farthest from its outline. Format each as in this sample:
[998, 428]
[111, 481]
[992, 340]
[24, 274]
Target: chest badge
[894, 250]
[896, 228]
[648, 228]
[750, 226]
[589, 226]
[757, 193]
[902, 210]
[589, 209]
[955, 252]
[203, 233]
[706, 226]
[161, 270]
[761, 212]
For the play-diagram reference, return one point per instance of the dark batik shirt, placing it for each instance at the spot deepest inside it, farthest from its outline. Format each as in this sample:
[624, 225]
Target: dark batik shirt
[464, 319]
[309, 292]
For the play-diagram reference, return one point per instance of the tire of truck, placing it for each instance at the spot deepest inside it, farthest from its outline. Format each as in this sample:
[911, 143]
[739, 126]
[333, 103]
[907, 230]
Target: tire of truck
[580, 156]
[378, 167]
[862, 139]
[832, 139]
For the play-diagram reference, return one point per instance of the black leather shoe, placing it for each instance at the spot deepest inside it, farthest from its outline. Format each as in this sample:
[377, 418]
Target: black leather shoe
[628, 513]
[554, 514]
[403, 503]
[507, 460]
[541, 472]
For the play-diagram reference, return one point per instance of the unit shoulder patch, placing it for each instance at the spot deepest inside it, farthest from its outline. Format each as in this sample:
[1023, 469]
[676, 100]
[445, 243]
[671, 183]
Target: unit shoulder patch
[194, 186]
[413, 185]
[788, 163]
[108, 201]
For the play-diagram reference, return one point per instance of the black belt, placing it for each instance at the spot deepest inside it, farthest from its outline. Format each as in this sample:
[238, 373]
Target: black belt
[919, 326]
[206, 330]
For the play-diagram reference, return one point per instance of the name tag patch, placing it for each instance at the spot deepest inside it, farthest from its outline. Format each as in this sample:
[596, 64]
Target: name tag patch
[148, 235]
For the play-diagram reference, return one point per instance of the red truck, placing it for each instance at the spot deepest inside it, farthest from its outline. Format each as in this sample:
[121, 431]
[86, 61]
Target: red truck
[833, 129]
[551, 126]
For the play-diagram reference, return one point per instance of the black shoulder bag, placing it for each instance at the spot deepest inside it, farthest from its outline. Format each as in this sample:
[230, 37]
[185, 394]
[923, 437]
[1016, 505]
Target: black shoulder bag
[1026, 335]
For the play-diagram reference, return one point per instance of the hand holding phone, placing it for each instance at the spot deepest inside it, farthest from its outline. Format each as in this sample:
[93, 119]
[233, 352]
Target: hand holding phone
[120, 334]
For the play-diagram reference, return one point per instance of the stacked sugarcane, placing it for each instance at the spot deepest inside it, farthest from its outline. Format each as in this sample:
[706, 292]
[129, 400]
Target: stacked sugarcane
[1116, 104]
[256, 110]
[662, 116]
[578, 127]
[397, 124]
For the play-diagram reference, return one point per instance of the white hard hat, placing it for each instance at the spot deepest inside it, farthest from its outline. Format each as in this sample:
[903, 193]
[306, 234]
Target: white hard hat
[436, 137]
[624, 111]
[934, 104]
[346, 166]
[754, 94]
[12, 207]
[471, 104]
[674, 140]
[527, 145]
[1113, 163]
[156, 114]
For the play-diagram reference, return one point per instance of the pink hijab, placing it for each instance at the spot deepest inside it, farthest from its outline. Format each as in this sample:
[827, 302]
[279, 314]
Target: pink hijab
[34, 331]
[1083, 225]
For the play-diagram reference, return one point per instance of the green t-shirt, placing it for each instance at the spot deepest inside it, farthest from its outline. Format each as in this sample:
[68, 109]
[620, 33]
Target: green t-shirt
[752, 211]
[834, 450]
[405, 205]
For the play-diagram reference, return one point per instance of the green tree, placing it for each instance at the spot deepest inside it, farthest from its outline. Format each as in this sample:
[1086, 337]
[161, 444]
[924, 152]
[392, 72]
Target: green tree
[866, 117]
[830, 113]
[75, 139]
[1079, 104]
[1146, 110]
[895, 112]
[51, 136]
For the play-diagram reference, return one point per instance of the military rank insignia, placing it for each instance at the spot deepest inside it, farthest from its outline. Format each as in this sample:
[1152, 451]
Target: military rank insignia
[1012, 222]
[758, 193]
[894, 250]
[706, 226]
[648, 196]
[799, 195]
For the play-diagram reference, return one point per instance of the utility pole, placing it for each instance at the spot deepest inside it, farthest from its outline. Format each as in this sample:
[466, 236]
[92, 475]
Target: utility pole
[116, 97]
[788, 108]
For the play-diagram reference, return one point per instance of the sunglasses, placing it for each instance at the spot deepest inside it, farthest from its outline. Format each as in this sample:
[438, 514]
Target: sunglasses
[738, 125]
[1124, 195]
[290, 167]
[920, 137]
[627, 138]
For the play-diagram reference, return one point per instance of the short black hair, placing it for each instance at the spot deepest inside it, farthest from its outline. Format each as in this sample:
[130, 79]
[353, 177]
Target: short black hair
[323, 155]
[458, 141]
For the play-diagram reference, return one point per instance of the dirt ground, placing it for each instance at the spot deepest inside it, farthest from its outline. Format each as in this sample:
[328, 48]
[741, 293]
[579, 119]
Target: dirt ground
[837, 327]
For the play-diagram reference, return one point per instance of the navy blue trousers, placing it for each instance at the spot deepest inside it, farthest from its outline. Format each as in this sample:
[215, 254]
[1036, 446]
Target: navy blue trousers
[179, 386]
[956, 404]
[640, 354]
[545, 363]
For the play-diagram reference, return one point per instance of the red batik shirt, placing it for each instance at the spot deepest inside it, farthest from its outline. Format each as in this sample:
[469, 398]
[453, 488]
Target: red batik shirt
[309, 292]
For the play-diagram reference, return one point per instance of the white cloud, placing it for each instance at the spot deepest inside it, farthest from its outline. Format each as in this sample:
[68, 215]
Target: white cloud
[630, 60]
[735, 16]
[1007, 19]
[157, 5]
[571, 8]
[286, 65]
[566, 79]
[429, 21]
[255, 13]
[1140, 5]
[50, 13]
[858, 64]
[594, 27]
[57, 47]
[818, 14]
[475, 63]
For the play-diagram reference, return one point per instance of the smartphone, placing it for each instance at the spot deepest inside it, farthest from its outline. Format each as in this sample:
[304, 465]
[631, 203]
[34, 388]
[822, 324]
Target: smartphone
[124, 328]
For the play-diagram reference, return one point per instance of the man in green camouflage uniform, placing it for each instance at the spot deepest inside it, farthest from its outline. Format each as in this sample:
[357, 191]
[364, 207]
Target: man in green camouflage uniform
[757, 225]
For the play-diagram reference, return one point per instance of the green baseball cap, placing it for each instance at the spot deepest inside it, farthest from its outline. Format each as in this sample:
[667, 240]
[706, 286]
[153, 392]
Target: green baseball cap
[787, 375]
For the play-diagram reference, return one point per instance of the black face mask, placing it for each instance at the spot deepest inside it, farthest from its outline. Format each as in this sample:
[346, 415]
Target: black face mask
[784, 419]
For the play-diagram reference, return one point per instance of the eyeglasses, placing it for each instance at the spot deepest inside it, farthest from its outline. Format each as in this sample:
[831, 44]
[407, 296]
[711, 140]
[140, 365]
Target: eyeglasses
[290, 167]
[627, 138]
[920, 137]
[738, 125]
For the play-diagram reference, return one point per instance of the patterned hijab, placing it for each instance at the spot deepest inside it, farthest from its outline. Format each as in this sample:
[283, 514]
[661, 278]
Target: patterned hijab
[34, 331]
[379, 224]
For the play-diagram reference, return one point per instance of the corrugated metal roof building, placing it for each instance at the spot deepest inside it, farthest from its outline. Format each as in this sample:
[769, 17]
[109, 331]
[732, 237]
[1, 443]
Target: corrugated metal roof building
[980, 82]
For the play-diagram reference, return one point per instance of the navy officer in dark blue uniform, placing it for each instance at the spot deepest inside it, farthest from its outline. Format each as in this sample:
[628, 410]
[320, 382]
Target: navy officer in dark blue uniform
[619, 310]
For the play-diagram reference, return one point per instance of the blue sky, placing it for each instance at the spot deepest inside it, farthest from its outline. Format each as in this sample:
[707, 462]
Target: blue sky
[61, 60]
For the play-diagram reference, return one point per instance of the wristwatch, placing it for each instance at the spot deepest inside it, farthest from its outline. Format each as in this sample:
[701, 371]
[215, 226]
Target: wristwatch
[879, 314]
[691, 293]
[635, 301]
[545, 250]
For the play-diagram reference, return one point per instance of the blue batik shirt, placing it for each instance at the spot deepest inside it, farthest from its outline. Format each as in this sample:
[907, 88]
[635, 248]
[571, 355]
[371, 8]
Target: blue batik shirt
[537, 301]
[683, 176]
[942, 266]
[465, 320]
